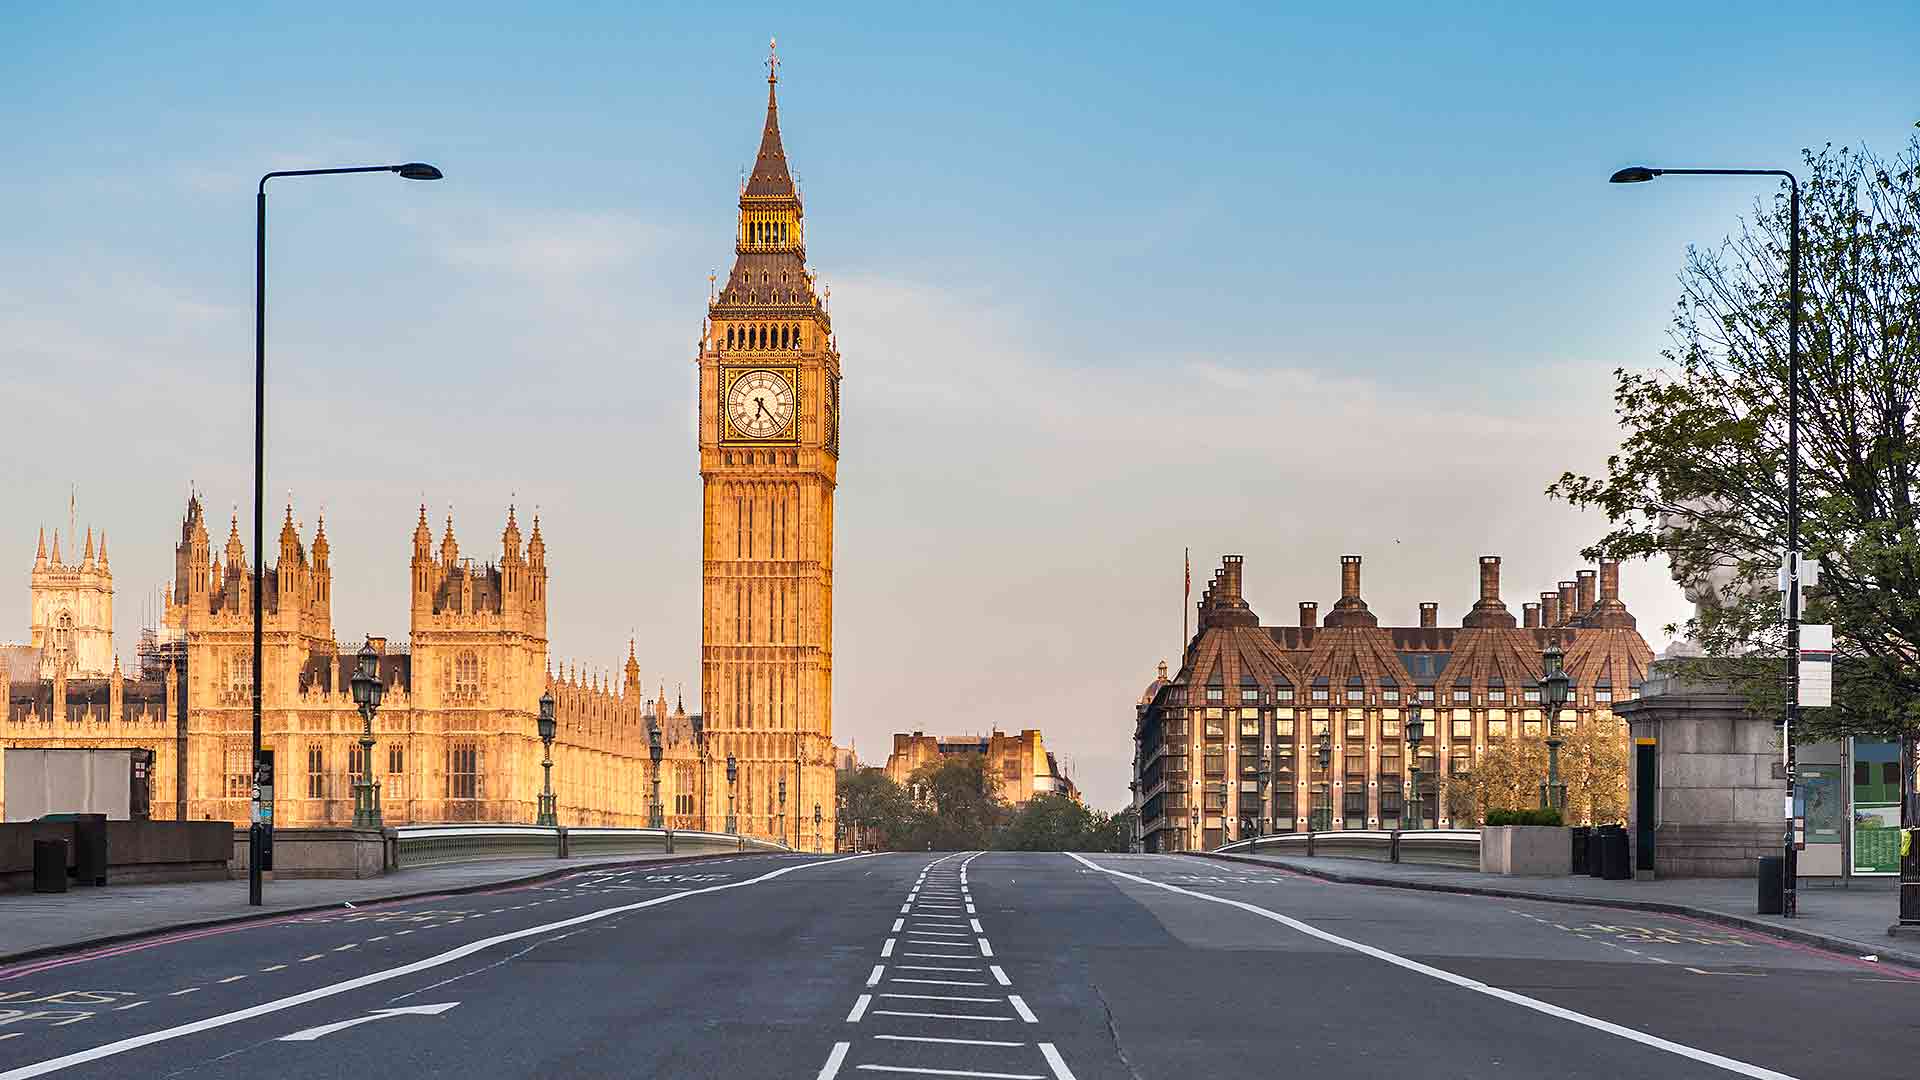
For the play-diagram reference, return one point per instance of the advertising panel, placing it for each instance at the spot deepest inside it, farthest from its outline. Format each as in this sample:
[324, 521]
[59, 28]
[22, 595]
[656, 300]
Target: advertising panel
[1876, 807]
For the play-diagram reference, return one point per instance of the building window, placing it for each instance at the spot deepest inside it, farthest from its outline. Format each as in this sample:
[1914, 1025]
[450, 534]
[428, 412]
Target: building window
[1462, 763]
[1249, 697]
[1356, 727]
[316, 771]
[1216, 728]
[239, 774]
[1533, 695]
[1356, 765]
[1319, 694]
[1356, 804]
[463, 771]
[356, 764]
[239, 676]
[1391, 696]
[1462, 696]
[1497, 695]
[1462, 728]
[1497, 725]
[396, 760]
[1283, 727]
[1215, 693]
[1426, 695]
[1602, 696]
[1283, 695]
[1250, 728]
[1389, 729]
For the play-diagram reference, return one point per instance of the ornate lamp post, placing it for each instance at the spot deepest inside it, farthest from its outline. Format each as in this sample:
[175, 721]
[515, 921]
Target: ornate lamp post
[700, 750]
[1323, 816]
[1554, 685]
[783, 809]
[1260, 826]
[546, 816]
[368, 691]
[816, 826]
[1416, 730]
[733, 774]
[656, 817]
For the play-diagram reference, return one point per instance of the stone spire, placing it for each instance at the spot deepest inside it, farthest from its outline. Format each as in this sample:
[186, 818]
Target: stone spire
[87, 559]
[103, 552]
[56, 546]
[770, 175]
[40, 554]
[632, 686]
[236, 552]
[449, 547]
[510, 536]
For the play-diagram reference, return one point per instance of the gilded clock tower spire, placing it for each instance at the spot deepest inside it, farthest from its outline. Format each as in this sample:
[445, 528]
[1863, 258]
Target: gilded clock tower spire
[769, 453]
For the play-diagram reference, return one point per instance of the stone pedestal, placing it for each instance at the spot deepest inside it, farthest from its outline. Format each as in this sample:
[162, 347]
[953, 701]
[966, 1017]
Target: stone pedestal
[1716, 805]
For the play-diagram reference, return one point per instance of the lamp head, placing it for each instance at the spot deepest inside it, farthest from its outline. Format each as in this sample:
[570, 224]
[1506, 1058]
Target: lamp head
[816, 813]
[783, 791]
[1416, 726]
[1633, 174]
[733, 770]
[1554, 682]
[418, 170]
[546, 721]
[364, 679]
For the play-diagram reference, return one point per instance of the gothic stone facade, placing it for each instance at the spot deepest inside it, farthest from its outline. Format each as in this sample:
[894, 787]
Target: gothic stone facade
[454, 741]
[1245, 691]
[769, 415]
[1022, 761]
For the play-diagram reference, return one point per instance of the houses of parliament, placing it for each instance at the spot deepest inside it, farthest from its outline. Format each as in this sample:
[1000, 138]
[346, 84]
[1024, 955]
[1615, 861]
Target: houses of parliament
[456, 738]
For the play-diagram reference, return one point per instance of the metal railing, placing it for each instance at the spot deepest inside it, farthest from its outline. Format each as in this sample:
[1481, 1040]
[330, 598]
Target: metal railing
[429, 845]
[1424, 847]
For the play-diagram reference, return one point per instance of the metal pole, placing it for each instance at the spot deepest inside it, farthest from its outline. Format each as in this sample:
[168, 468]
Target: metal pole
[1790, 905]
[256, 836]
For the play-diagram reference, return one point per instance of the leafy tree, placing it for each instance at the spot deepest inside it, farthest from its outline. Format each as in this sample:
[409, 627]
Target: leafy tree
[956, 805]
[875, 808]
[1702, 472]
[1593, 766]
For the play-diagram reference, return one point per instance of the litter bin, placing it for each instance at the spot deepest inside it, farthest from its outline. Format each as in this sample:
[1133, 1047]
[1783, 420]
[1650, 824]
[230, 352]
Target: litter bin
[1581, 836]
[1773, 882]
[1615, 863]
[49, 866]
[90, 849]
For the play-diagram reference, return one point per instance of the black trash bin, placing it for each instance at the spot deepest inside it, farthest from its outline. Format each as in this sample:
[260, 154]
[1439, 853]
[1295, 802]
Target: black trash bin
[49, 866]
[1615, 862]
[90, 849]
[1581, 835]
[1596, 843]
[1773, 882]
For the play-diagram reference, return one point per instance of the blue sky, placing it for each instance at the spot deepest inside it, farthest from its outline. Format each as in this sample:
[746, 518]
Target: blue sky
[1107, 281]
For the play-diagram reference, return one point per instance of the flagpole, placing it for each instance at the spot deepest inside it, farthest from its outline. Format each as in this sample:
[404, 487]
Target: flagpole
[1186, 595]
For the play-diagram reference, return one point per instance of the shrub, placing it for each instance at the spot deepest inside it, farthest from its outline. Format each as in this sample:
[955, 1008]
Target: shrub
[1538, 816]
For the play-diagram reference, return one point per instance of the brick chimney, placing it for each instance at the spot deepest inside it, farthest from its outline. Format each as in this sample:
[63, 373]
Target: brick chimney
[1309, 614]
[1429, 615]
[1568, 598]
[1549, 609]
[1223, 604]
[1350, 610]
[1610, 611]
[1530, 615]
[1489, 610]
[1584, 587]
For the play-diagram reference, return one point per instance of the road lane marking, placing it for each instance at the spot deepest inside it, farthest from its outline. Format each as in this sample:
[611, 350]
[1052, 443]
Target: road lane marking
[121, 1046]
[859, 1008]
[1743, 974]
[1056, 1062]
[188, 990]
[999, 976]
[1681, 1049]
[832, 1068]
[916, 1071]
[986, 947]
[939, 997]
[348, 945]
[897, 924]
[276, 967]
[955, 1042]
[1020, 1006]
[887, 949]
[921, 955]
[878, 970]
[233, 978]
[935, 982]
[311, 959]
[312, 1033]
[943, 1016]
[129, 1005]
[933, 967]
[977, 928]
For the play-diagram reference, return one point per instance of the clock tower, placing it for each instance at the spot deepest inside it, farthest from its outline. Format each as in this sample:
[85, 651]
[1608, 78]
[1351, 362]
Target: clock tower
[769, 451]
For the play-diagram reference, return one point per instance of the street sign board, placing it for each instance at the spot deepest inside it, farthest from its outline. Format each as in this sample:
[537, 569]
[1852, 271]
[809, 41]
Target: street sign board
[1816, 665]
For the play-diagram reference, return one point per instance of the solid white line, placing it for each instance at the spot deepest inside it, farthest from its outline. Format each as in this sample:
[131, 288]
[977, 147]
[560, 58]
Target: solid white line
[1056, 1062]
[935, 982]
[188, 990]
[916, 1071]
[933, 967]
[942, 1016]
[986, 949]
[956, 1042]
[859, 1008]
[81, 1057]
[832, 1068]
[940, 956]
[887, 949]
[942, 933]
[1020, 1006]
[1694, 1053]
[938, 997]
[878, 970]
[999, 975]
[275, 967]
[233, 978]
[923, 917]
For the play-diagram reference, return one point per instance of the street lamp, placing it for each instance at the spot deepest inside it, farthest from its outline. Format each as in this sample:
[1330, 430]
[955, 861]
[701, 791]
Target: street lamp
[546, 816]
[257, 827]
[368, 691]
[816, 826]
[733, 774]
[1639, 174]
[1323, 816]
[1416, 730]
[1554, 686]
[783, 809]
[1260, 826]
[656, 818]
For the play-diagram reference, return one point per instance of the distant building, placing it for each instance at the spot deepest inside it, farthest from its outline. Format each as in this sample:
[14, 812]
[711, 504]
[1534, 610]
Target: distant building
[1247, 693]
[1022, 762]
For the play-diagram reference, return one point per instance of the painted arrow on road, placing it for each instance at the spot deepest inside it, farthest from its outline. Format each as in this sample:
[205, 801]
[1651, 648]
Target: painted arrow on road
[313, 1033]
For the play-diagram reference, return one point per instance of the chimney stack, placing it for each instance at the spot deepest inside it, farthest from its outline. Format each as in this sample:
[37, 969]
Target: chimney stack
[1490, 577]
[1568, 591]
[1350, 610]
[1609, 579]
[1429, 615]
[1309, 614]
[1585, 587]
[1230, 576]
[1349, 577]
[1489, 611]
[1530, 615]
[1549, 609]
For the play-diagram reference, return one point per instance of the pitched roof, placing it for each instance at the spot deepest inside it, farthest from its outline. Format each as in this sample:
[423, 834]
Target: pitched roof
[770, 175]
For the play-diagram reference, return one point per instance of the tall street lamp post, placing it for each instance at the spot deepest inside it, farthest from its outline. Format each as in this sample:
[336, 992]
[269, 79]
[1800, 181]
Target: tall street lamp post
[700, 750]
[1323, 815]
[258, 825]
[1639, 174]
[1554, 687]
[546, 816]
[783, 809]
[1260, 825]
[368, 691]
[733, 774]
[1416, 730]
[656, 816]
[816, 826]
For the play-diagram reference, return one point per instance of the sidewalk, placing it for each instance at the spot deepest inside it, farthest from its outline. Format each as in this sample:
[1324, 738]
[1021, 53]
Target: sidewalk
[1851, 918]
[38, 924]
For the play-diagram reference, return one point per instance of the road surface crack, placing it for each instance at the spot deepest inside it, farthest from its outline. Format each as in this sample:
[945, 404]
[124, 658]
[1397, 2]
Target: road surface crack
[1112, 1031]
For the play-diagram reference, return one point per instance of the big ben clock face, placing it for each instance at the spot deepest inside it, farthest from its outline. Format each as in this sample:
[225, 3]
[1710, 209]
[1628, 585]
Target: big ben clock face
[760, 404]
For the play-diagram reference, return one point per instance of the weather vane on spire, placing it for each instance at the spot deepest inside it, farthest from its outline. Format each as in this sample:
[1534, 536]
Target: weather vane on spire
[773, 59]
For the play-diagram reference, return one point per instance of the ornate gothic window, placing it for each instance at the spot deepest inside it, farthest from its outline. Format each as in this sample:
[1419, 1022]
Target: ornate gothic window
[466, 674]
[463, 771]
[316, 771]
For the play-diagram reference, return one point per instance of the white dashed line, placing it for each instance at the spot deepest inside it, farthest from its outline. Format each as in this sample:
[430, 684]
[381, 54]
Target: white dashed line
[887, 949]
[859, 1008]
[956, 1042]
[188, 990]
[999, 975]
[878, 970]
[832, 1068]
[233, 978]
[1056, 1062]
[944, 1016]
[986, 948]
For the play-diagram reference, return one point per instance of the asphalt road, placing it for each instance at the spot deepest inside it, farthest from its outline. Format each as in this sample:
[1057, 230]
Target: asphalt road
[995, 965]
